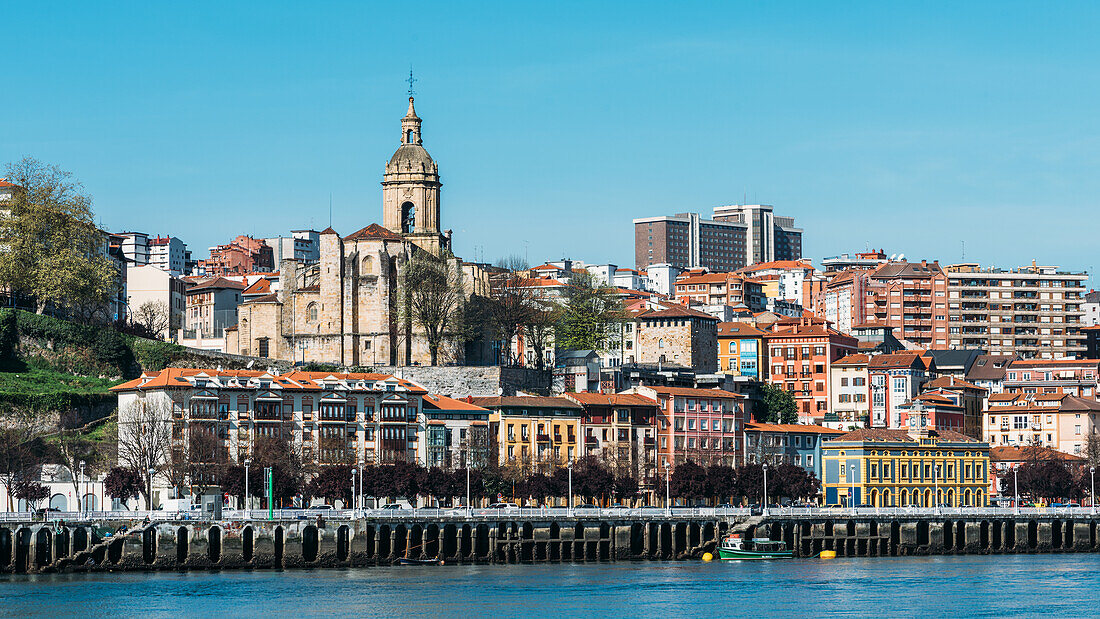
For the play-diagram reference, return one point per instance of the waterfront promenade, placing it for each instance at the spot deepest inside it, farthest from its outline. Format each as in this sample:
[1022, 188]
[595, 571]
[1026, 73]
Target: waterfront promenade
[348, 538]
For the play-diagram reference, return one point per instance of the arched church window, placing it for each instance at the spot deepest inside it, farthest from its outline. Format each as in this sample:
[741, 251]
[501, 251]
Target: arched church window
[311, 312]
[368, 266]
[660, 343]
[408, 217]
[408, 136]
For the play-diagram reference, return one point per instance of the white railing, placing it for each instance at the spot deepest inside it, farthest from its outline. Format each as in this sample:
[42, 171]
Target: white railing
[536, 513]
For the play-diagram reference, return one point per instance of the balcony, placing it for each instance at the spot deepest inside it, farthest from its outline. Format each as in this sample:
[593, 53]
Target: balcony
[542, 438]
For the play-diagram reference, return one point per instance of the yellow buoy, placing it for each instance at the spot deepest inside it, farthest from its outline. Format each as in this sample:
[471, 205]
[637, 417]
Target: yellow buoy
[707, 556]
[828, 554]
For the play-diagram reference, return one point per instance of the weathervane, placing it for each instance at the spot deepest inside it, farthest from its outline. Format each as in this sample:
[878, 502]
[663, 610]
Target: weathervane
[410, 81]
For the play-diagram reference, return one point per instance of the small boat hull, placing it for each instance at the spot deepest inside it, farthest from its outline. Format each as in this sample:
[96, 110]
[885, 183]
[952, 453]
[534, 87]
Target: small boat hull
[403, 561]
[748, 555]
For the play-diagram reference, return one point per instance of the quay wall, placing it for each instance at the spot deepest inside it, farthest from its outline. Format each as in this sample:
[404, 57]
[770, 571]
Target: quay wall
[286, 544]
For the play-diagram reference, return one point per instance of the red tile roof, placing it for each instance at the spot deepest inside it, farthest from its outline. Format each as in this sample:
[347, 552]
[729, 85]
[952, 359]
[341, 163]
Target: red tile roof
[611, 399]
[442, 402]
[675, 311]
[791, 427]
[1030, 452]
[691, 392]
[373, 231]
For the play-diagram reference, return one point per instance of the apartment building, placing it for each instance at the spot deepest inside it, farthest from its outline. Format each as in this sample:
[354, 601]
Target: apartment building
[242, 255]
[910, 297]
[621, 430]
[701, 425]
[741, 350]
[1054, 420]
[1033, 312]
[730, 289]
[849, 405]
[1077, 377]
[456, 433]
[167, 253]
[329, 418]
[800, 356]
[860, 261]
[895, 379]
[535, 433]
[787, 443]
[211, 307]
[793, 281]
[302, 245]
[737, 236]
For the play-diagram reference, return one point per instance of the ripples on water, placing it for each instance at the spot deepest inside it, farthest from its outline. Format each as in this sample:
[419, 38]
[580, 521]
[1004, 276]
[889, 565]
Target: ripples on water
[1007, 585]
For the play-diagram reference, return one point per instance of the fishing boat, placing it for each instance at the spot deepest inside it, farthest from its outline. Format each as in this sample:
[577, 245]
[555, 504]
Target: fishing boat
[733, 548]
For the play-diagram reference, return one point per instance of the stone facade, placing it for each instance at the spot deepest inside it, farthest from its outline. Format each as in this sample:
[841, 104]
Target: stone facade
[344, 309]
[678, 336]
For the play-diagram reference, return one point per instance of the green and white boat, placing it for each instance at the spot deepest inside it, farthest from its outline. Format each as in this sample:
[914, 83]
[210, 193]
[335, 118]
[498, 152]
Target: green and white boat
[733, 548]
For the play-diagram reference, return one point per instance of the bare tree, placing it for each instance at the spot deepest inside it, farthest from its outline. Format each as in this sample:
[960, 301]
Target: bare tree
[73, 450]
[433, 298]
[18, 457]
[540, 329]
[145, 439]
[153, 316]
[511, 302]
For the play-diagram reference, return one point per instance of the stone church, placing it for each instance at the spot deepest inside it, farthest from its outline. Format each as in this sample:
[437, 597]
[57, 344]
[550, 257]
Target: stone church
[344, 309]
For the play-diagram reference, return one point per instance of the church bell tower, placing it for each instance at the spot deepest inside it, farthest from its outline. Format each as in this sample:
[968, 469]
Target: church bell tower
[410, 189]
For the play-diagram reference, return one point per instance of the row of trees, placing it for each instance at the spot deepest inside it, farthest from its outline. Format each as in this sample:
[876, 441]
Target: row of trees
[725, 484]
[1043, 476]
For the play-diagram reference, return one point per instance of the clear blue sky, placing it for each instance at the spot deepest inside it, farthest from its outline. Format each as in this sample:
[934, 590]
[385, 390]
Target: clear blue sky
[913, 127]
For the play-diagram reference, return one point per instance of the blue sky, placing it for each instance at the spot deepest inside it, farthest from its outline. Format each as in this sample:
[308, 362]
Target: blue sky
[914, 127]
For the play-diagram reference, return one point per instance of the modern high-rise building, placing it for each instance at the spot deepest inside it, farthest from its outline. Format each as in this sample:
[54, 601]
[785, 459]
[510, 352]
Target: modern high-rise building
[167, 253]
[738, 236]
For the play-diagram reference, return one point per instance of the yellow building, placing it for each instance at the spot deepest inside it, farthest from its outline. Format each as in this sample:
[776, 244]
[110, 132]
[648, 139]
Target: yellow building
[536, 433]
[900, 468]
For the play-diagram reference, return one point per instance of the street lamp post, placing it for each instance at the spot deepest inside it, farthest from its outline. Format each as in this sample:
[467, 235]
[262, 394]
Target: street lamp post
[852, 495]
[247, 497]
[936, 481]
[359, 498]
[668, 487]
[1016, 489]
[353, 471]
[1092, 487]
[764, 510]
[467, 489]
[570, 467]
[150, 495]
[80, 490]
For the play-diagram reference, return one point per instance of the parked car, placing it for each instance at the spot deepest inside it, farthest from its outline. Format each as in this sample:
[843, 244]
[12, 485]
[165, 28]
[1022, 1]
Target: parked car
[393, 506]
[504, 506]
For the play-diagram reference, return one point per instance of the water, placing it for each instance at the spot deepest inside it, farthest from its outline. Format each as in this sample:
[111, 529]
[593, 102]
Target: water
[1005, 586]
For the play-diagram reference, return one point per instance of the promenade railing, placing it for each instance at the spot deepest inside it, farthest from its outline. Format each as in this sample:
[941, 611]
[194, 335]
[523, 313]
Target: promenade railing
[539, 513]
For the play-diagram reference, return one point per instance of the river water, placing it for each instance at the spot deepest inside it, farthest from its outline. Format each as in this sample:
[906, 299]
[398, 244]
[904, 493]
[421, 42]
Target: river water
[1003, 586]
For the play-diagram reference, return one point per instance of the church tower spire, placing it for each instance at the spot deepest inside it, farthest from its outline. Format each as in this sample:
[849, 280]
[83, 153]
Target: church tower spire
[410, 188]
[410, 126]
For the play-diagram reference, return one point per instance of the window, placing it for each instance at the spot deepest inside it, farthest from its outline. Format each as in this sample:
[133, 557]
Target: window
[408, 217]
[311, 312]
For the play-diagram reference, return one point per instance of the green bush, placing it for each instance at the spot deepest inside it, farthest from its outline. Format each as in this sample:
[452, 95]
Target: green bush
[9, 342]
[111, 348]
[155, 356]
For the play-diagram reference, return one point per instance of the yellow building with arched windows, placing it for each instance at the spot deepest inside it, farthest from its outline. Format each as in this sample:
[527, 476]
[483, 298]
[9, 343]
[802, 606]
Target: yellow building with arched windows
[877, 467]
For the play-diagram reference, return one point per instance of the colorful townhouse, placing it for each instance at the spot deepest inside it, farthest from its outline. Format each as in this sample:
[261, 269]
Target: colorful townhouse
[741, 350]
[535, 433]
[701, 425]
[1054, 420]
[849, 404]
[787, 443]
[620, 429]
[800, 356]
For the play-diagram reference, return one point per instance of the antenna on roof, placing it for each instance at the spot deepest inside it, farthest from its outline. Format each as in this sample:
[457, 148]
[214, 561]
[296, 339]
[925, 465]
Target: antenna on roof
[330, 209]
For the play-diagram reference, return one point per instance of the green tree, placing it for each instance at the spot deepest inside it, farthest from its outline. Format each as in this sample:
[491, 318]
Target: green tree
[592, 315]
[776, 406]
[511, 303]
[434, 299]
[55, 252]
